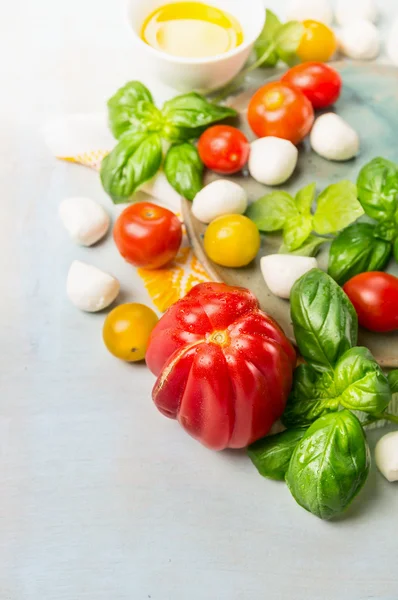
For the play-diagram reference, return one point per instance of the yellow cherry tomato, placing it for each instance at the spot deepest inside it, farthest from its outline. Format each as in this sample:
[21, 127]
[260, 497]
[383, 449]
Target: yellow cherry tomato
[232, 241]
[318, 42]
[127, 329]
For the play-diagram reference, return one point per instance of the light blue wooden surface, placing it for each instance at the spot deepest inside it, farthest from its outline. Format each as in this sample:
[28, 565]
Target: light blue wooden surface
[101, 498]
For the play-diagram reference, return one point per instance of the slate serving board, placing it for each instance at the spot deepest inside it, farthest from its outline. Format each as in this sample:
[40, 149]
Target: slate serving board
[369, 102]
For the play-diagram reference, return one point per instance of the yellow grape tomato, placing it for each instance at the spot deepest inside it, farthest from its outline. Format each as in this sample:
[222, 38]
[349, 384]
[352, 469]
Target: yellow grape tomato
[232, 241]
[127, 329]
[318, 42]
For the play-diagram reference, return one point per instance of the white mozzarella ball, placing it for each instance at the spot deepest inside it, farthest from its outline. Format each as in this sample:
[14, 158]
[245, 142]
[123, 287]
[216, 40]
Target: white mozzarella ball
[272, 160]
[348, 11]
[85, 220]
[386, 455]
[332, 138]
[221, 197]
[392, 43]
[281, 271]
[318, 10]
[360, 40]
[89, 288]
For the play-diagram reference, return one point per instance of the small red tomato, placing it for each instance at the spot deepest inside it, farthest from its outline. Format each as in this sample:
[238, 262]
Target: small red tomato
[281, 110]
[147, 235]
[319, 83]
[375, 298]
[224, 149]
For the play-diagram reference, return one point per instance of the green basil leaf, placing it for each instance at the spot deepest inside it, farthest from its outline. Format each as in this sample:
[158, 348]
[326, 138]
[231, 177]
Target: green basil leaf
[395, 251]
[188, 115]
[184, 169]
[309, 248]
[133, 161]
[132, 109]
[264, 46]
[287, 40]
[378, 189]
[305, 198]
[271, 212]
[337, 207]
[271, 455]
[360, 382]
[329, 465]
[313, 395]
[386, 230]
[324, 320]
[393, 381]
[356, 250]
[296, 231]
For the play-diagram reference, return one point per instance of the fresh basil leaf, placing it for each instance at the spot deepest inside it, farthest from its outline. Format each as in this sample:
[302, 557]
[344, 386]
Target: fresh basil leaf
[360, 382]
[329, 465]
[188, 115]
[271, 212]
[337, 207]
[265, 46]
[133, 161]
[309, 248]
[356, 250]
[357, 383]
[313, 395]
[271, 455]
[132, 109]
[386, 230]
[296, 231]
[287, 40]
[395, 250]
[378, 189]
[305, 198]
[393, 381]
[324, 320]
[184, 169]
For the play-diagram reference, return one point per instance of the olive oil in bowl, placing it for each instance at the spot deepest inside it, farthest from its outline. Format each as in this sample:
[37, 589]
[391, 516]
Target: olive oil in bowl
[192, 30]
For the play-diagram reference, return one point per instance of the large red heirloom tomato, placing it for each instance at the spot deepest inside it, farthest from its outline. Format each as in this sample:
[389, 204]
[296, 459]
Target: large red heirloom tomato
[224, 367]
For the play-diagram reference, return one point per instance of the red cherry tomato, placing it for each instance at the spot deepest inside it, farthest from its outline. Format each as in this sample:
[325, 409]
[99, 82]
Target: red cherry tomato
[375, 298]
[281, 110]
[224, 367]
[224, 149]
[147, 235]
[319, 83]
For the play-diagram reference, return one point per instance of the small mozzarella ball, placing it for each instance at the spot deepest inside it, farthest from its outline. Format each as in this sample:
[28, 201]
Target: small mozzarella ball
[272, 160]
[221, 197]
[360, 40]
[392, 43]
[332, 138]
[386, 455]
[84, 219]
[317, 10]
[89, 288]
[281, 271]
[348, 11]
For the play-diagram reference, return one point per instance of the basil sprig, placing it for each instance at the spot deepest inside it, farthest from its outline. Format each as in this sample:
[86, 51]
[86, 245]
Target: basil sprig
[336, 207]
[323, 454]
[368, 246]
[278, 42]
[330, 465]
[141, 128]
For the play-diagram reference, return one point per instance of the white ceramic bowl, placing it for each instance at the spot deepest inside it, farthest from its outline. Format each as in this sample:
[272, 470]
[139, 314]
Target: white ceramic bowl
[200, 74]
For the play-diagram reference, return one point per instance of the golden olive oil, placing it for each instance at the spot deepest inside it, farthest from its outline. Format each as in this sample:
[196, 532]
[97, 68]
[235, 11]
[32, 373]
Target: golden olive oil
[192, 30]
